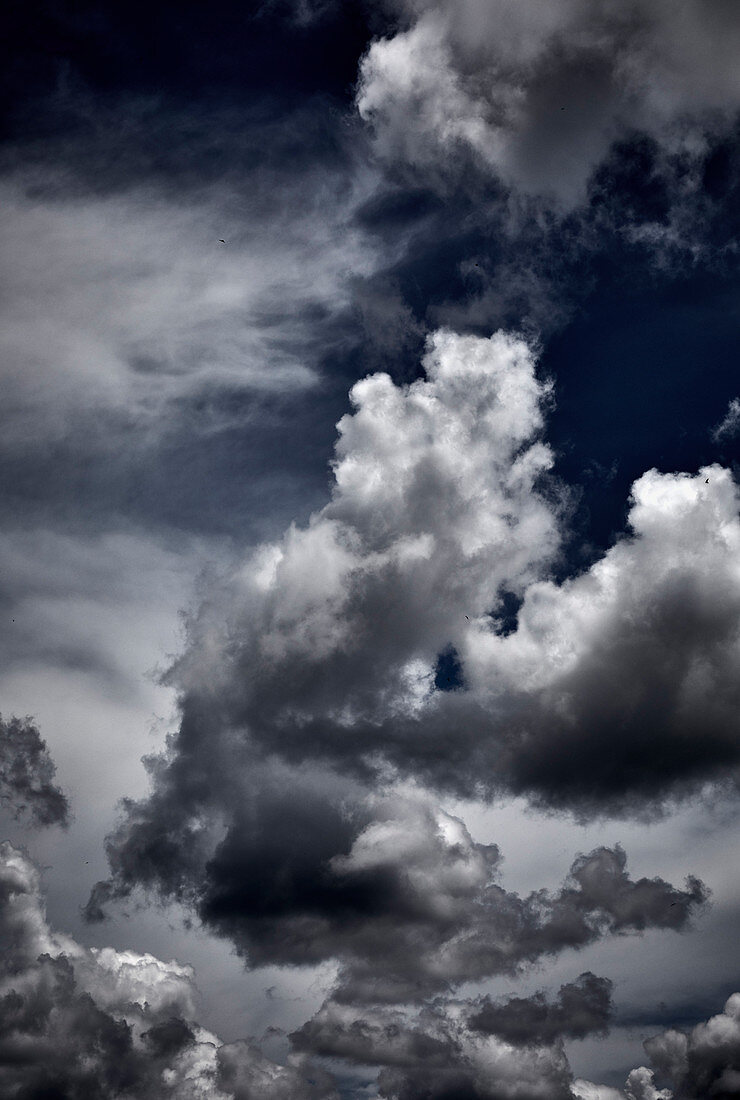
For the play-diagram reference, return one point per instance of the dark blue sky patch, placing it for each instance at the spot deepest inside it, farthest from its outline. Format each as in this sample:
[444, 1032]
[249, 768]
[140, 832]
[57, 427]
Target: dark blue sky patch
[506, 614]
[193, 51]
[642, 378]
[448, 673]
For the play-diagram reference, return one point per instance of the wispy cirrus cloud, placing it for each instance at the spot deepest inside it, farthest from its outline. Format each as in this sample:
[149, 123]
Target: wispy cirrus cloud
[729, 425]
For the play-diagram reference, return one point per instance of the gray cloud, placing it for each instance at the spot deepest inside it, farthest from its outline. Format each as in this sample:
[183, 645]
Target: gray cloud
[615, 691]
[582, 1008]
[150, 371]
[127, 305]
[27, 773]
[436, 1055]
[538, 92]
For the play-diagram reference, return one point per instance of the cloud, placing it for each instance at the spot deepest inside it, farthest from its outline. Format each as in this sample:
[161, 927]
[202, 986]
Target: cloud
[27, 772]
[386, 1036]
[638, 1086]
[616, 691]
[473, 1049]
[729, 426]
[582, 1008]
[703, 1062]
[78, 1021]
[436, 1056]
[536, 93]
[642, 643]
[310, 674]
[393, 889]
[438, 504]
[126, 304]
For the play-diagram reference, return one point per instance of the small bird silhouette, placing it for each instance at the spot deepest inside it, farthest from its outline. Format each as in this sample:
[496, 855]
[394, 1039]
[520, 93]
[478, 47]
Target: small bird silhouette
[467, 618]
[221, 240]
[707, 481]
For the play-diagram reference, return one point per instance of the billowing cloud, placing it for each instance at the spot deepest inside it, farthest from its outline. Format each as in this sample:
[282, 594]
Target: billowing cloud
[538, 92]
[312, 671]
[128, 305]
[438, 505]
[475, 1050]
[78, 1021]
[386, 1036]
[640, 1085]
[27, 773]
[701, 1063]
[706, 1060]
[634, 656]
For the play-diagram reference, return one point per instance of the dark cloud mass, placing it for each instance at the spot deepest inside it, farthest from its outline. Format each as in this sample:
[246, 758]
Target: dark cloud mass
[27, 772]
[395, 890]
[437, 1055]
[582, 1008]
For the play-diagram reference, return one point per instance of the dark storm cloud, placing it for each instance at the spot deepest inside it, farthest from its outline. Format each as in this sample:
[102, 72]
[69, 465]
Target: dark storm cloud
[394, 889]
[582, 1008]
[27, 773]
[77, 1022]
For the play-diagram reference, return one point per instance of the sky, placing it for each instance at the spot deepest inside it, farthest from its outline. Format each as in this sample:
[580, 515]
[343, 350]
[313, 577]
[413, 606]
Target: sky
[370, 550]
